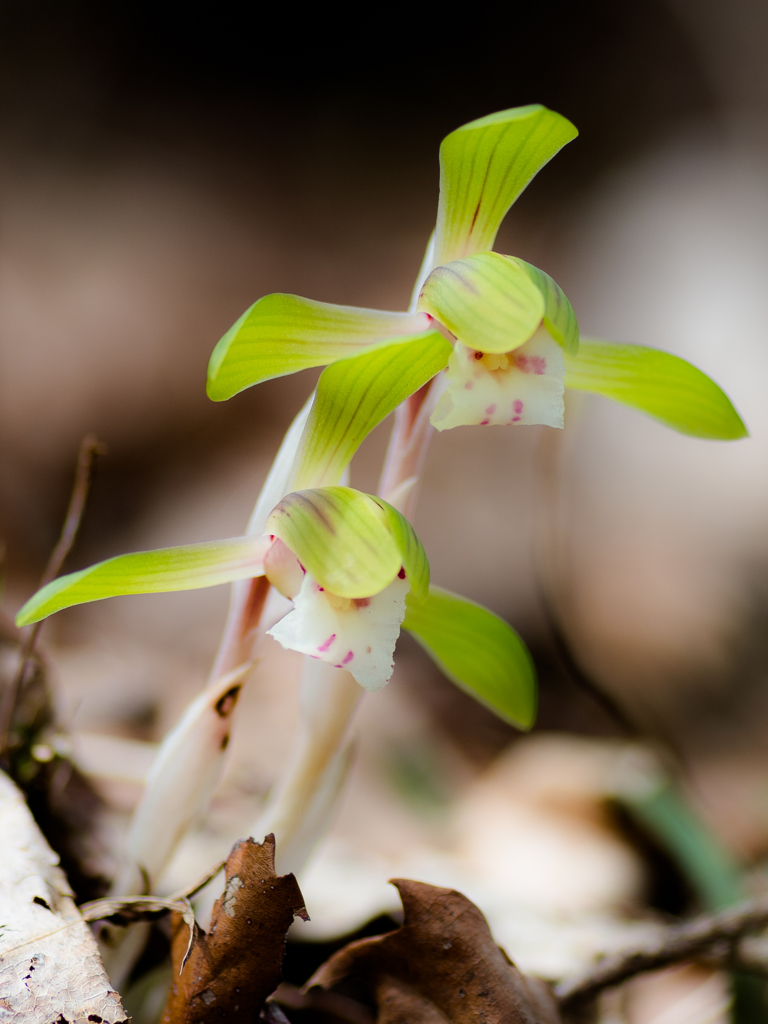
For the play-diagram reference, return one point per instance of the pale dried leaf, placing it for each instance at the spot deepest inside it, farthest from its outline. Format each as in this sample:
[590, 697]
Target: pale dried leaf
[50, 968]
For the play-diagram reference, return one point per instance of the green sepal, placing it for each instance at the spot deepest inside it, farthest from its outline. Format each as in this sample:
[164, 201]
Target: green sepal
[478, 651]
[355, 395]
[559, 317]
[354, 545]
[664, 386]
[189, 567]
[484, 166]
[487, 301]
[281, 334]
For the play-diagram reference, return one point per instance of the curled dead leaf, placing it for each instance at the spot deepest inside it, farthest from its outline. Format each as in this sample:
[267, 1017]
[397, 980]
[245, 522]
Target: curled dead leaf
[441, 967]
[237, 963]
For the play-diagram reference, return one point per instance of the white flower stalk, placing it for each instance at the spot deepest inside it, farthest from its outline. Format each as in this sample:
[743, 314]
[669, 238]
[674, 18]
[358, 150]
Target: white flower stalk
[302, 802]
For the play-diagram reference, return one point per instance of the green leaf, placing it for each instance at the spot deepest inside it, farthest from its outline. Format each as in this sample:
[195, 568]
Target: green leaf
[282, 334]
[478, 651]
[355, 395]
[657, 383]
[484, 166]
[559, 318]
[351, 543]
[189, 567]
[486, 301]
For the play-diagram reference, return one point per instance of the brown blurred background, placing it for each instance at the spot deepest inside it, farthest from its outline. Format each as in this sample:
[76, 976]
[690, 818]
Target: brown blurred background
[162, 166]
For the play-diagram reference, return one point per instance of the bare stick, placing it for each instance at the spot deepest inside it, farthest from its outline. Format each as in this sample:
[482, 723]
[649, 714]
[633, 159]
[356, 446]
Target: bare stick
[707, 936]
[90, 447]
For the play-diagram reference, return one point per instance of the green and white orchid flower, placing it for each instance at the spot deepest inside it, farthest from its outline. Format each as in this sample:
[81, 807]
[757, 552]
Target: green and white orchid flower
[346, 559]
[515, 343]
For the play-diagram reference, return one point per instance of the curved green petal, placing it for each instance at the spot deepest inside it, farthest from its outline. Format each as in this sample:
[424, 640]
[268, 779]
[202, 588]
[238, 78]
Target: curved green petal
[559, 317]
[487, 301]
[282, 334]
[345, 539]
[189, 567]
[338, 538]
[412, 554]
[657, 383]
[478, 651]
[355, 395]
[484, 166]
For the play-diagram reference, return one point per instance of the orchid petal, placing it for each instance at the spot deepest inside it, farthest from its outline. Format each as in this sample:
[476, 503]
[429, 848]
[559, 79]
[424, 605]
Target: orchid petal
[358, 635]
[355, 395]
[478, 651]
[524, 386]
[488, 301]
[189, 567]
[484, 166]
[657, 383]
[412, 554]
[282, 334]
[354, 545]
[559, 317]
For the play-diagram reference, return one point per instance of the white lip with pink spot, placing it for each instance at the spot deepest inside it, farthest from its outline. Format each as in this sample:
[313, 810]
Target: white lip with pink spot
[524, 386]
[358, 634]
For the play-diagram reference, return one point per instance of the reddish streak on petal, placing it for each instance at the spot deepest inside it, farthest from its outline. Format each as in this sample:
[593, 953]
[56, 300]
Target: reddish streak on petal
[348, 658]
[401, 574]
[361, 602]
[324, 647]
[517, 405]
[490, 410]
[539, 364]
[515, 419]
[478, 355]
[485, 423]
[469, 385]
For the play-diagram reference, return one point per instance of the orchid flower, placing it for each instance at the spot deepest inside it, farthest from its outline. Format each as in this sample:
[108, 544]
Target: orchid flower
[514, 337]
[346, 559]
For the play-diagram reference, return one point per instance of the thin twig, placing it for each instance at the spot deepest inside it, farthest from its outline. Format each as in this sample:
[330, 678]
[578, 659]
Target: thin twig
[713, 934]
[90, 447]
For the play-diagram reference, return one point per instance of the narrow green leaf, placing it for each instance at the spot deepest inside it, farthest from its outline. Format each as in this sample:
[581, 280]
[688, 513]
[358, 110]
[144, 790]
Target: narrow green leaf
[189, 567]
[412, 554]
[487, 301]
[559, 317]
[478, 651]
[484, 166]
[341, 537]
[657, 383]
[355, 395]
[282, 334]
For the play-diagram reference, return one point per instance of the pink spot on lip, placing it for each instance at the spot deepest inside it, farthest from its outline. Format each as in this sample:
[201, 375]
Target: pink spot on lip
[490, 410]
[348, 658]
[484, 423]
[469, 385]
[517, 405]
[531, 364]
[515, 419]
[324, 647]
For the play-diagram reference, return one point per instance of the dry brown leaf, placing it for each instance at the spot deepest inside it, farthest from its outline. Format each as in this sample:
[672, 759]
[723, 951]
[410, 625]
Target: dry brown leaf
[236, 965]
[441, 967]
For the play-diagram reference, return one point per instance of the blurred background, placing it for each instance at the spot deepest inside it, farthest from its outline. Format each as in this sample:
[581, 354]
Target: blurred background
[161, 167]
